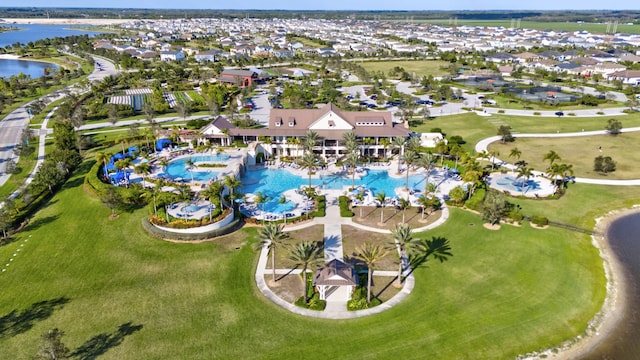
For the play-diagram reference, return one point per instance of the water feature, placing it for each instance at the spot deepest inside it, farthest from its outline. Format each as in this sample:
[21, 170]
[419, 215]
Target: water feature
[623, 342]
[273, 182]
[178, 168]
[513, 184]
[34, 32]
[35, 69]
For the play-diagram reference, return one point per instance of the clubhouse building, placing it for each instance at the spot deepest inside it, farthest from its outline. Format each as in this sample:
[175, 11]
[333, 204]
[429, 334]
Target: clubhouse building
[287, 128]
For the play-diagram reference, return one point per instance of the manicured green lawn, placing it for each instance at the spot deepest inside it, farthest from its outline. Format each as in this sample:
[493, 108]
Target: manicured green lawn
[470, 126]
[419, 67]
[618, 147]
[503, 293]
[539, 124]
[582, 203]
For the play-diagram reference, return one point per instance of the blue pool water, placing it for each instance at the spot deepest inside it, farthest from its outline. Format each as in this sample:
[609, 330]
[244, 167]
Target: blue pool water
[508, 182]
[191, 208]
[178, 168]
[274, 206]
[273, 182]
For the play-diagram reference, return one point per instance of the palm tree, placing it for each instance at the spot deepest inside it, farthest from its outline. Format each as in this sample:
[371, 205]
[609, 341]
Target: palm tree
[385, 143]
[104, 158]
[426, 161]
[403, 204]
[308, 162]
[310, 140]
[381, 197]
[370, 254]
[163, 162]
[398, 143]
[552, 157]
[190, 164]
[515, 153]
[144, 169]
[428, 201]
[404, 241]
[148, 134]
[213, 192]
[261, 198]
[526, 173]
[232, 183]
[410, 157]
[305, 254]
[295, 141]
[272, 236]
[122, 139]
[350, 141]
[352, 161]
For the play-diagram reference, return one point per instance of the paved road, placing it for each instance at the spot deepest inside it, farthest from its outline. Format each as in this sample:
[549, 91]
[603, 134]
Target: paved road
[11, 126]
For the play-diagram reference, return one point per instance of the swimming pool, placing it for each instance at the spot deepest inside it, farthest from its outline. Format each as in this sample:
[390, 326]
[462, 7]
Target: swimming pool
[273, 182]
[178, 168]
[514, 184]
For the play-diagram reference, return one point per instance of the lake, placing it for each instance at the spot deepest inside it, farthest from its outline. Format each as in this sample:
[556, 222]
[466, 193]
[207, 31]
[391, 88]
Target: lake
[34, 69]
[624, 342]
[32, 32]
[28, 33]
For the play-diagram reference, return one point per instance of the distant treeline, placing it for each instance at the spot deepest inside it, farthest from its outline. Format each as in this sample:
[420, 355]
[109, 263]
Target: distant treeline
[78, 13]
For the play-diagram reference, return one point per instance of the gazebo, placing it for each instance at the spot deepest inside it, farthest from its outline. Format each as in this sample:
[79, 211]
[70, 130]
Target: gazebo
[333, 275]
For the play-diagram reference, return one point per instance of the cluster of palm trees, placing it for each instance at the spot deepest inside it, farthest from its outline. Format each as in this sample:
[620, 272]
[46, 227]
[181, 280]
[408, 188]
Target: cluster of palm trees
[406, 245]
[307, 253]
[558, 172]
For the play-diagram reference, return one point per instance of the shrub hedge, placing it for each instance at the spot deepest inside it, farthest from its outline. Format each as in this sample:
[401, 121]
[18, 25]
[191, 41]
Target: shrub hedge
[162, 234]
[345, 210]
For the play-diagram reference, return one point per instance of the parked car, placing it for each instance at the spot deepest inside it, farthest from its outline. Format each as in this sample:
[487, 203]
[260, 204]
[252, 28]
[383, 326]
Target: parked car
[559, 113]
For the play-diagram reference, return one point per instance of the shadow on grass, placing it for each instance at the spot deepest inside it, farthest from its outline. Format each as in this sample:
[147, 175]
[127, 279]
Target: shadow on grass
[16, 322]
[101, 343]
[40, 222]
[390, 283]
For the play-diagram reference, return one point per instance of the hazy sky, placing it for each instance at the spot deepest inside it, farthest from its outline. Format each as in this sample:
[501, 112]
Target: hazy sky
[344, 5]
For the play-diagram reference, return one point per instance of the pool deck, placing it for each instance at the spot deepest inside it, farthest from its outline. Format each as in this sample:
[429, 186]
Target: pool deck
[546, 186]
[177, 210]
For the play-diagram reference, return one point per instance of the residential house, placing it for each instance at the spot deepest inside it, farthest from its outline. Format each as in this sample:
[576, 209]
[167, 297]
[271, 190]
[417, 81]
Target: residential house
[241, 78]
[171, 55]
[630, 77]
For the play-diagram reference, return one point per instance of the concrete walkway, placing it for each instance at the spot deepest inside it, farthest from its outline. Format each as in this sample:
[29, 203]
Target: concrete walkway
[337, 302]
[483, 144]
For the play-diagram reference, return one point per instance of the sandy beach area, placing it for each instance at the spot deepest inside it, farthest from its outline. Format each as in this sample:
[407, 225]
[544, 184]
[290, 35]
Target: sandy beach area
[613, 308]
[9, 57]
[84, 21]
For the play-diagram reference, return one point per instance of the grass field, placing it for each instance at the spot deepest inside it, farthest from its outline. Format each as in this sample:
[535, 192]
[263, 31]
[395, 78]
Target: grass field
[419, 67]
[618, 147]
[598, 28]
[119, 294]
[470, 126]
[474, 128]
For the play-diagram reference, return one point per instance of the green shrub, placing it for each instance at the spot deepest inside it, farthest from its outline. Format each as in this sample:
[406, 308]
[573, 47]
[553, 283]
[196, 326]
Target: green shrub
[571, 114]
[515, 215]
[345, 209]
[600, 113]
[359, 299]
[314, 303]
[536, 113]
[321, 207]
[539, 220]
[475, 201]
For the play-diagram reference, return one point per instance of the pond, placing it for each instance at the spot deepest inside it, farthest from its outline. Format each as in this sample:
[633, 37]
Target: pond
[32, 32]
[35, 69]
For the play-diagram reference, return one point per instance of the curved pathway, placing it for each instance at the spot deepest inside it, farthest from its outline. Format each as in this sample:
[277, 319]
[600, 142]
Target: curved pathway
[333, 249]
[483, 144]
